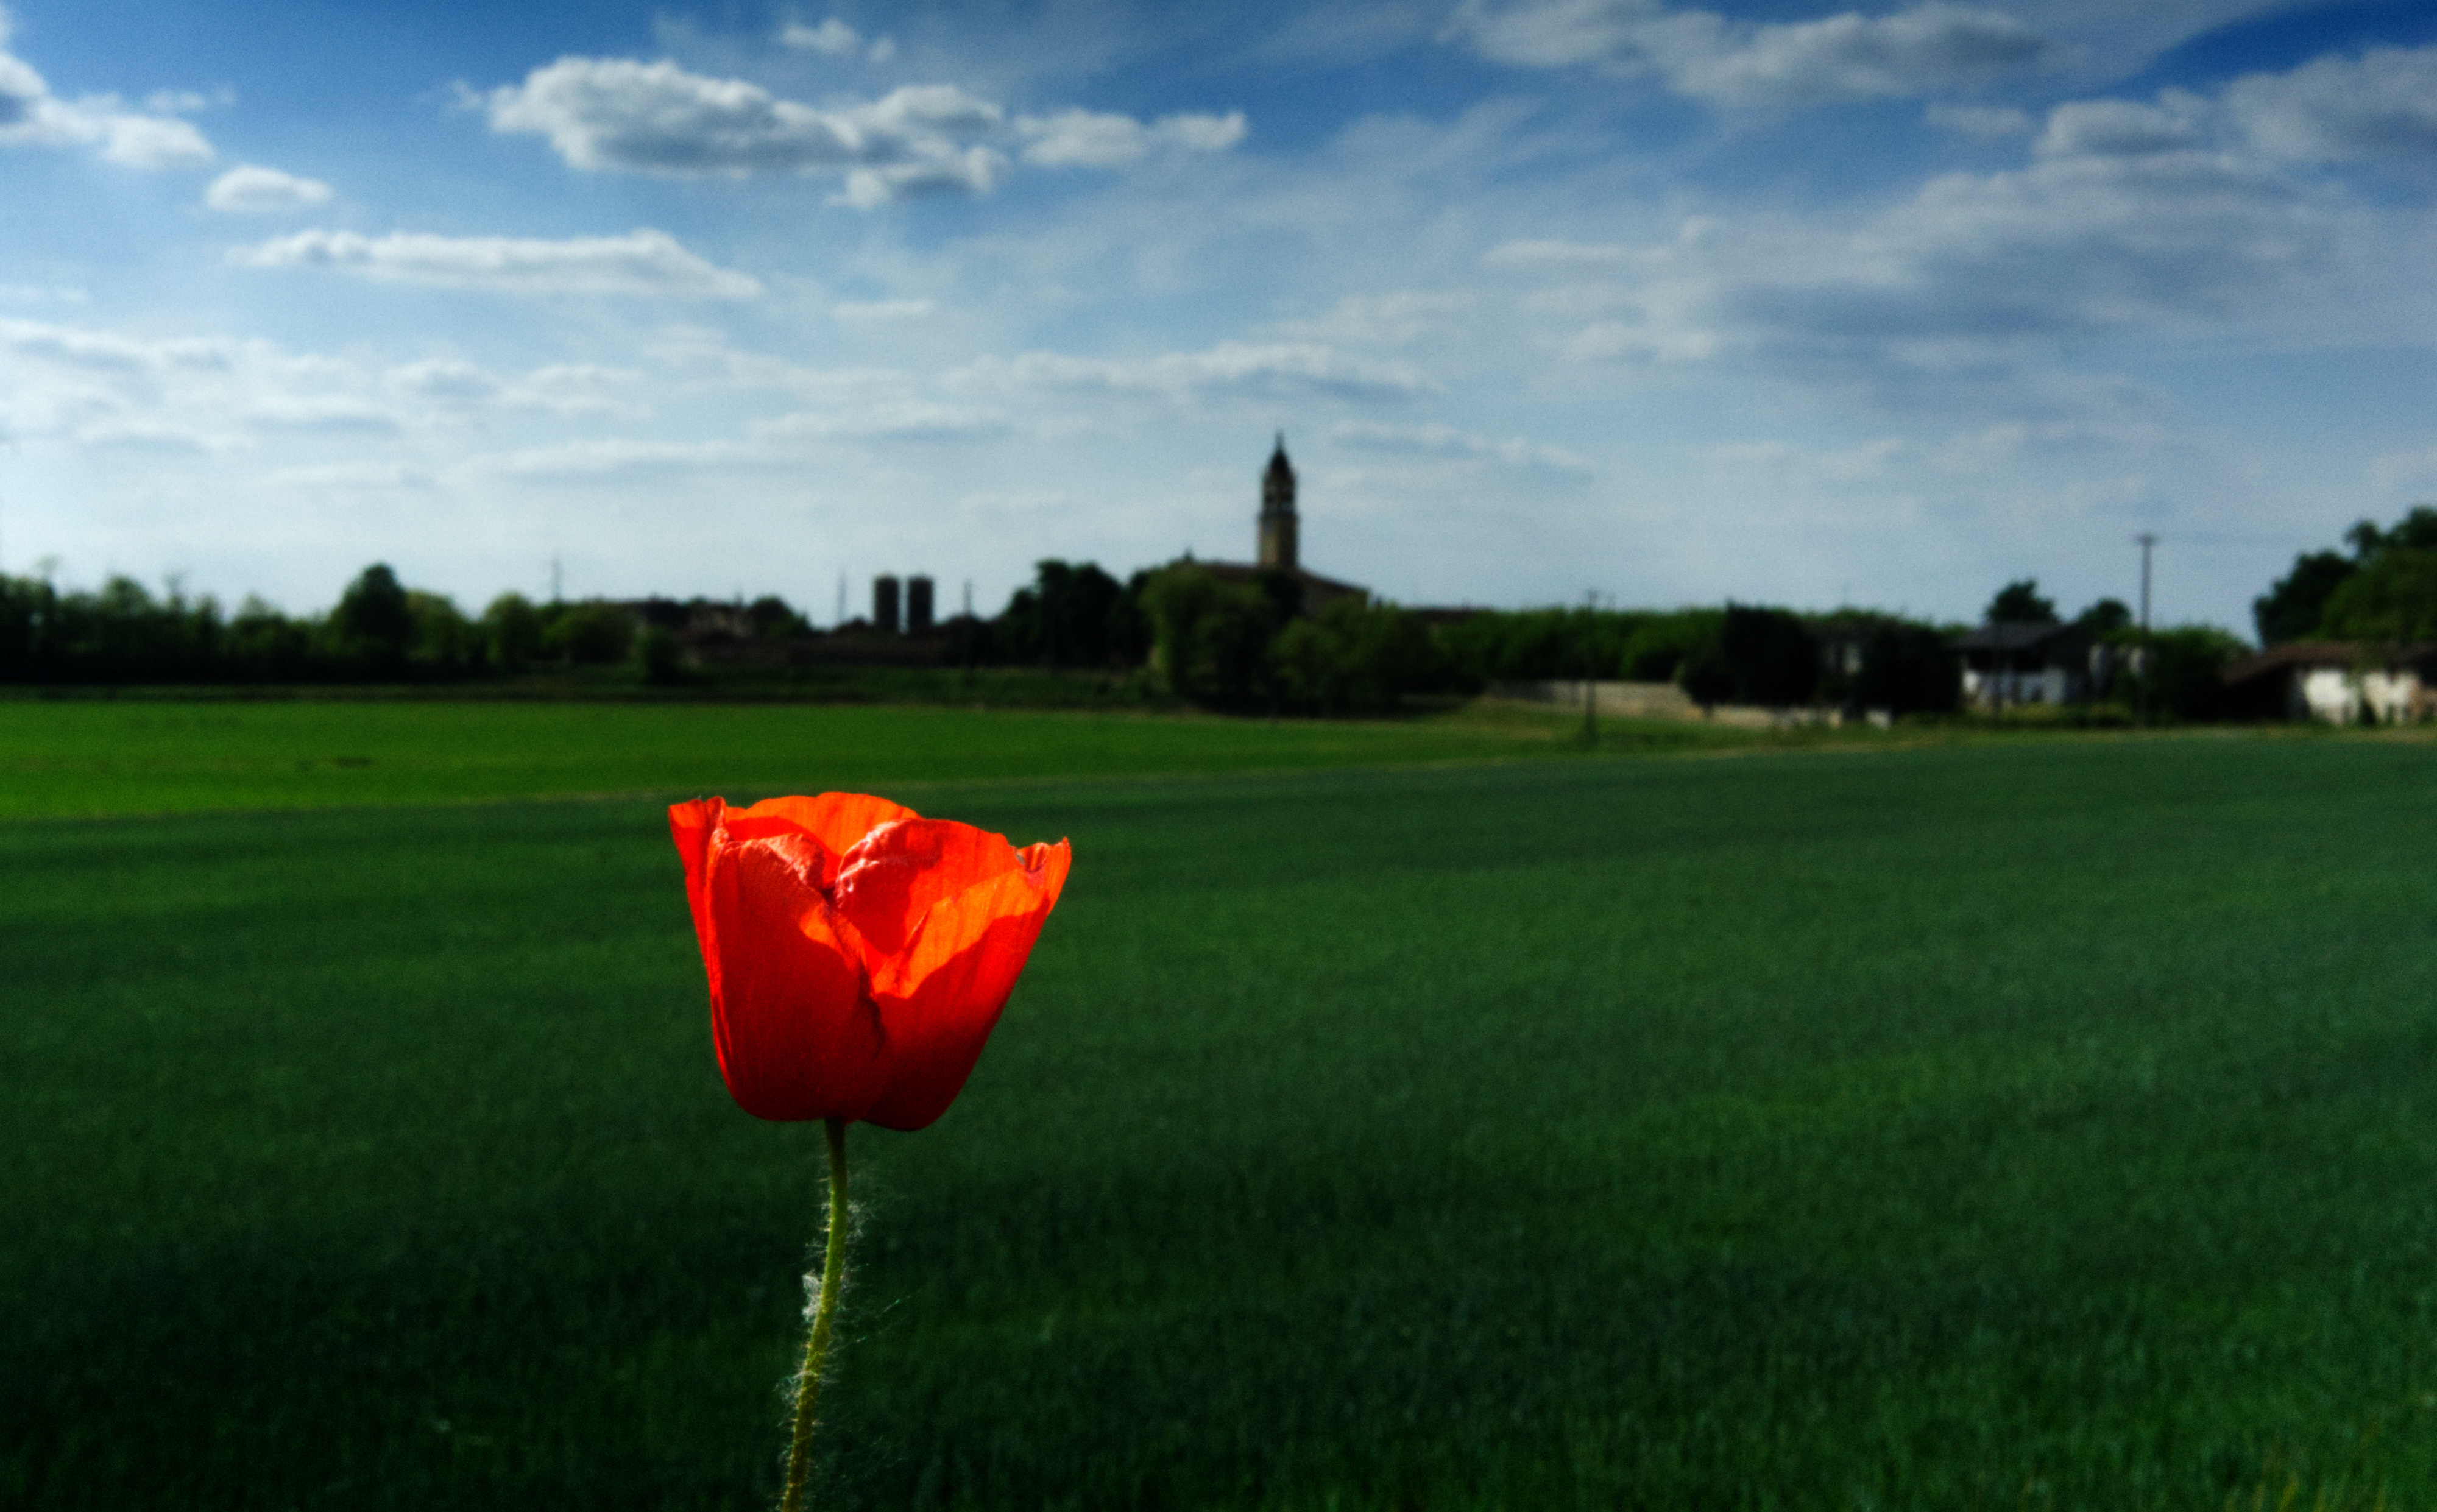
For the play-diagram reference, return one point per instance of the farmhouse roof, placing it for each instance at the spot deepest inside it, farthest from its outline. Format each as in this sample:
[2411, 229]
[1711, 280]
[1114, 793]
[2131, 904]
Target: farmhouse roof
[2303, 655]
[2012, 636]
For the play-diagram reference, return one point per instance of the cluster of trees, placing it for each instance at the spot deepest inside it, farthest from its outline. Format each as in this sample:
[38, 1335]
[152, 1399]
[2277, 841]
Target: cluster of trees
[2383, 590]
[2173, 672]
[379, 631]
[1224, 638]
[1235, 641]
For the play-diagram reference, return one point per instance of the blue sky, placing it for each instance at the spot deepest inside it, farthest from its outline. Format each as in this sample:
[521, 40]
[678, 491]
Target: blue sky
[1674, 303]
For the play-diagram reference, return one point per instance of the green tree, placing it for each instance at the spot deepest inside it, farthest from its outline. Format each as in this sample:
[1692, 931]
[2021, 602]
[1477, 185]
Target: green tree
[1769, 655]
[2292, 606]
[1661, 645]
[374, 625]
[2105, 617]
[1356, 655]
[511, 629]
[1062, 618]
[2393, 599]
[1210, 637]
[593, 633]
[1908, 669]
[2186, 670]
[2019, 603]
[445, 639]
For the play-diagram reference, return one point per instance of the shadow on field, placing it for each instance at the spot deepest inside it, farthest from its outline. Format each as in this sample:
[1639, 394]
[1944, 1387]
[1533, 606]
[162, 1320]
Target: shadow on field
[1810, 1132]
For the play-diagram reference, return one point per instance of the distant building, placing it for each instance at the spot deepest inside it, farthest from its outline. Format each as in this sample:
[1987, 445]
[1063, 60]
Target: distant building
[1277, 521]
[884, 604]
[2337, 681]
[2009, 661]
[1277, 550]
[918, 605]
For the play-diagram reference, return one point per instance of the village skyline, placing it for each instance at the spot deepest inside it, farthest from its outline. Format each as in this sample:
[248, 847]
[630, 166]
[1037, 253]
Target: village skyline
[1809, 306]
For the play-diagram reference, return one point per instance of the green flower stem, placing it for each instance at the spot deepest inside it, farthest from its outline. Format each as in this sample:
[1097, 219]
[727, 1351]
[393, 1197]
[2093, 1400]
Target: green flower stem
[807, 1384]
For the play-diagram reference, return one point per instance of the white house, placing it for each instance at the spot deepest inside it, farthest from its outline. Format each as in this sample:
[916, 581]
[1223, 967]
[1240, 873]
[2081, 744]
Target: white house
[2340, 682]
[2006, 662]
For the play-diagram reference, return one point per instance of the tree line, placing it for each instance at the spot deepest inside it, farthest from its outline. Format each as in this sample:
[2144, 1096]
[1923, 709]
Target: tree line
[1223, 638]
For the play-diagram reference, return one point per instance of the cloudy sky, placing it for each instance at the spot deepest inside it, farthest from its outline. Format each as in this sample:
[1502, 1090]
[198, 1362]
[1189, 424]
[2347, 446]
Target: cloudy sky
[1774, 301]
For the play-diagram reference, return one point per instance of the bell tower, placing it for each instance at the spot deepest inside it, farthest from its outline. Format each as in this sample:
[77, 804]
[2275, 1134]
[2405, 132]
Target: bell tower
[1278, 511]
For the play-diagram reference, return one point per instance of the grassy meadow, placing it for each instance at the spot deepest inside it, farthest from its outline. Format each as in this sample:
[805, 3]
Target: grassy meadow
[1385, 1122]
[152, 755]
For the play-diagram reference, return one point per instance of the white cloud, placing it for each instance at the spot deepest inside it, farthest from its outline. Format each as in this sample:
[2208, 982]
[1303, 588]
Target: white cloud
[1383, 320]
[616, 113]
[1446, 441]
[2381, 104]
[835, 39]
[446, 378]
[151, 436]
[1079, 138]
[1986, 122]
[1231, 368]
[644, 262]
[909, 420]
[613, 113]
[1561, 255]
[31, 115]
[588, 459]
[867, 310]
[2117, 128]
[833, 36]
[1698, 53]
[316, 413]
[975, 170]
[351, 475]
[250, 189]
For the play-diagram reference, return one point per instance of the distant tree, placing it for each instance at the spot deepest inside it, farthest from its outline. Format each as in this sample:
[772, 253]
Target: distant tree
[2298, 604]
[445, 639]
[590, 634]
[1706, 678]
[1210, 637]
[1770, 654]
[1908, 669]
[1356, 655]
[1661, 643]
[2393, 599]
[2019, 603]
[773, 619]
[373, 625]
[1062, 618]
[1129, 629]
[2290, 609]
[2416, 531]
[2186, 671]
[2105, 617]
[659, 656]
[264, 645]
[511, 630]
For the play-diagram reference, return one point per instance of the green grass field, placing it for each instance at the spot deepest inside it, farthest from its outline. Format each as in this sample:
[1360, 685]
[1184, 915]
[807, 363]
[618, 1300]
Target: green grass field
[2040, 1123]
[157, 756]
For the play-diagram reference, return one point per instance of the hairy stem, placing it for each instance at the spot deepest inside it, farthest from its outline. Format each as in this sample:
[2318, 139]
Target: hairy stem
[808, 1383]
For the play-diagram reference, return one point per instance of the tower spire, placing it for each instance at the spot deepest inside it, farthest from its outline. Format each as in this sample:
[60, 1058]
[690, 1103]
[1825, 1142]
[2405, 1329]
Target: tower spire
[1277, 519]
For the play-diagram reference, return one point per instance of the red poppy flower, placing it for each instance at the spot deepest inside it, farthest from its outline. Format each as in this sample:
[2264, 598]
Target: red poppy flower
[859, 953]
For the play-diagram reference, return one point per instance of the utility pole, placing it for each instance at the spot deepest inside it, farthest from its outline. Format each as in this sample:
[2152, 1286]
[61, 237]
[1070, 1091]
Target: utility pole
[2147, 541]
[1590, 688]
[841, 610]
[555, 596]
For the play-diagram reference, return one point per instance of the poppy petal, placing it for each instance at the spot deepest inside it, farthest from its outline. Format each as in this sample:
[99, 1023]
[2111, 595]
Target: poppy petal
[837, 821]
[796, 1036]
[941, 996]
[897, 872]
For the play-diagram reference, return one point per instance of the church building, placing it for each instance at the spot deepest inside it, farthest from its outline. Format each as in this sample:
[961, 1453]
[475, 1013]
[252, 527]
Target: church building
[1277, 548]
